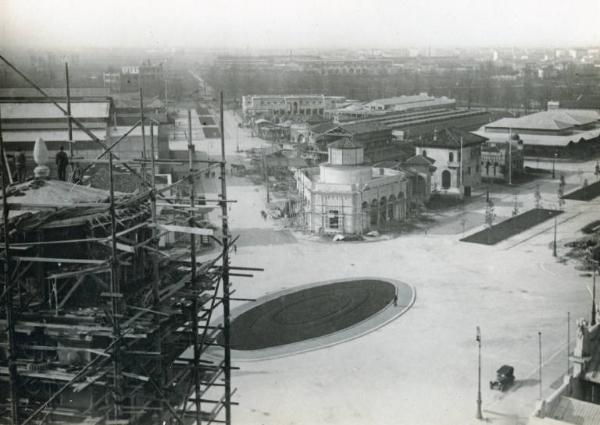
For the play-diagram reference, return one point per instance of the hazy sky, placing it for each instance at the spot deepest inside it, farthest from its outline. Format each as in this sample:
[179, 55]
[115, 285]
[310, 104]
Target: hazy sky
[298, 24]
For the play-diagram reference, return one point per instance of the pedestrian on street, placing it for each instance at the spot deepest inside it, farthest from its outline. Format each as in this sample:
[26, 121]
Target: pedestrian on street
[396, 299]
[21, 163]
[234, 248]
[62, 160]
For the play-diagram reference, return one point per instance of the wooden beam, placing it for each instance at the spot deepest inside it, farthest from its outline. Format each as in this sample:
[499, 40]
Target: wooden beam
[185, 229]
[60, 260]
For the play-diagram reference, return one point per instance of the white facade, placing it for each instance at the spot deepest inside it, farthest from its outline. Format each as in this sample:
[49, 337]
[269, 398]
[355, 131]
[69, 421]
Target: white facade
[345, 196]
[454, 176]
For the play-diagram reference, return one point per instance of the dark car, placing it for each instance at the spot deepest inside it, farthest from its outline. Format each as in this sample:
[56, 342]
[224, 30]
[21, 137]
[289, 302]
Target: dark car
[504, 378]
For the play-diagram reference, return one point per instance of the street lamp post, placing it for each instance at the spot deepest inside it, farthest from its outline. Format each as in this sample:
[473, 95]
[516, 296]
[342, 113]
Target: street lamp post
[553, 165]
[594, 265]
[478, 338]
[540, 361]
[554, 241]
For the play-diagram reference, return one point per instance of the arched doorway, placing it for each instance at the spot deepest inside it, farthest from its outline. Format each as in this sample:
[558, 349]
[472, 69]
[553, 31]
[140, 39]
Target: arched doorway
[446, 179]
[391, 208]
[373, 213]
[364, 215]
[383, 209]
[401, 206]
[421, 186]
[300, 138]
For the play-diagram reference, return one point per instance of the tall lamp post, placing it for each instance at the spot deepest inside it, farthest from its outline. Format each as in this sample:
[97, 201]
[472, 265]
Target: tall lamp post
[554, 241]
[540, 360]
[594, 266]
[478, 339]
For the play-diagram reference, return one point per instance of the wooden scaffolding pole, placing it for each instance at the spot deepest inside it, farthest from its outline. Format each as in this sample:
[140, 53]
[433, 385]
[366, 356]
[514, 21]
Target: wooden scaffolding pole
[114, 289]
[195, 307]
[8, 299]
[225, 274]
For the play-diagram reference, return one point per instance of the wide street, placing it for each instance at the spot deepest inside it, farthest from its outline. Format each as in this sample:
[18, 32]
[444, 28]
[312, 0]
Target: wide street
[422, 367]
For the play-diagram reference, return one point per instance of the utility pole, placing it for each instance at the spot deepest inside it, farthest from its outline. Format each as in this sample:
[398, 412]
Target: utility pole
[540, 361]
[69, 122]
[594, 265]
[554, 241]
[143, 124]
[266, 174]
[509, 157]
[479, 415]
[568, 339]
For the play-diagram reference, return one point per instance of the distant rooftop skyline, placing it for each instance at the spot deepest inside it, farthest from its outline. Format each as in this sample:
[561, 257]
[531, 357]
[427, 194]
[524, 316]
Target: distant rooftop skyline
[268, 24]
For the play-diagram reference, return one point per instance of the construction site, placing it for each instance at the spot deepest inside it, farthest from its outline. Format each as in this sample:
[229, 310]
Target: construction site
[106, 309]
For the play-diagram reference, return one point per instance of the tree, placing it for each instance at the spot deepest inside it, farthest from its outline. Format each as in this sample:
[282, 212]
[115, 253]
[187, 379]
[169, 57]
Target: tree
[561, 193]
[537, 197]
[515, 210]
[490, 216]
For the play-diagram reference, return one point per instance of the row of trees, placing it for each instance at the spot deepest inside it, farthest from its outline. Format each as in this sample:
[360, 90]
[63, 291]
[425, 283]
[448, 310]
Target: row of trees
[483, 85]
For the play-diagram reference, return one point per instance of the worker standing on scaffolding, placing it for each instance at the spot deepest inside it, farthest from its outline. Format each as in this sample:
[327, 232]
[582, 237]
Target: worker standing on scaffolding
[62, 160]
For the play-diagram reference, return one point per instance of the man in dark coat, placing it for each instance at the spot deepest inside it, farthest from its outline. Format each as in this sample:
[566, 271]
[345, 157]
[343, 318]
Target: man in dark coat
[21, 165]
[62, 160]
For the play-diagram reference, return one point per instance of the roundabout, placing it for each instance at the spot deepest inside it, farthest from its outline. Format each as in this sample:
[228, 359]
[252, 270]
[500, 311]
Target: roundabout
[315, 316]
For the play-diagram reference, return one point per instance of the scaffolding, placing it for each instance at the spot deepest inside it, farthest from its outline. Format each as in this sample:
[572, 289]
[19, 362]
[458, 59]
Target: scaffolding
[102, 324]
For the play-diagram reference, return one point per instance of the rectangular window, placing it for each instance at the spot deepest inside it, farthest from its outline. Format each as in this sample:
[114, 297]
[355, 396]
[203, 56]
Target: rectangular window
[334, 219]
[468, 171]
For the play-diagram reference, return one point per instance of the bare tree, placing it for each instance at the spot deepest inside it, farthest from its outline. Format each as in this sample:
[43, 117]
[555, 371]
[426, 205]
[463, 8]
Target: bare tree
[490, 216]
[515, 210]
[561, 193]
[537, 196]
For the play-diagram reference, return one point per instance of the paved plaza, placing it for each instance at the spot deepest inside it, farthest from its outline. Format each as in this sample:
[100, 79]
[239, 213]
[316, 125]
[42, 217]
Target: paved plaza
[421, 368]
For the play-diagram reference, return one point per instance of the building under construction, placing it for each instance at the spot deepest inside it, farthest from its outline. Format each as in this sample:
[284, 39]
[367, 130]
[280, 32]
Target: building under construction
[105, 315]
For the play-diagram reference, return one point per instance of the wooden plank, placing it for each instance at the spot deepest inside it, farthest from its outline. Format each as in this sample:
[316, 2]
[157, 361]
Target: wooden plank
[60, 260]
[185, 229]
[120, 246]
[111, 295]
[30, 205]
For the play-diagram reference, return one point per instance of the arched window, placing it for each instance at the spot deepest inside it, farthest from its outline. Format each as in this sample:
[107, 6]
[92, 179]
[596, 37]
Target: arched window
[446, 179]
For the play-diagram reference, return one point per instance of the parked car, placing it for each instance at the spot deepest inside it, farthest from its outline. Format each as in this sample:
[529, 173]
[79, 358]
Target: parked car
[504, 378]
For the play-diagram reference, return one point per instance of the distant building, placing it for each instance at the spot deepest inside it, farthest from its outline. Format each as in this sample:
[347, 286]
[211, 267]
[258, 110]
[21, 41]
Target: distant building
[566, 132]
[577, 399]
[285, 106]
[457, 158]
[148, 76]
[374, 137]
[112, 81]
[345, 195]
[495, 157]
[410, 103]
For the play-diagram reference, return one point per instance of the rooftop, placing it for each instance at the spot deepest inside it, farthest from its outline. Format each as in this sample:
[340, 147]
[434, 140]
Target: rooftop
[453, 138]
[554, 119]
[345, 143]
[46, 110]
[28, 93]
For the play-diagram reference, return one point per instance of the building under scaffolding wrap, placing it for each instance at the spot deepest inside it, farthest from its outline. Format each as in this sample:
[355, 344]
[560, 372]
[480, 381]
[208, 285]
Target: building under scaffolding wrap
[97, 313]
